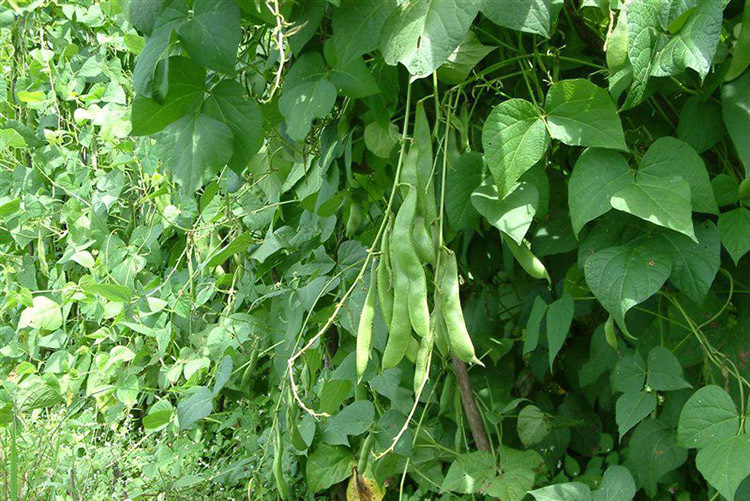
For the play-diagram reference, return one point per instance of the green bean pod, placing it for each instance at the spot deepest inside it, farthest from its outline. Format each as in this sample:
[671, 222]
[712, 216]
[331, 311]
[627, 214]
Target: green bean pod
[406, 256]
[285, 492]
[423, 242]
[447, 396]
[528, 261]
[399, 331]
[412, 349]
[385, 280]
[422, 364]
[458, 335]
[364, 329]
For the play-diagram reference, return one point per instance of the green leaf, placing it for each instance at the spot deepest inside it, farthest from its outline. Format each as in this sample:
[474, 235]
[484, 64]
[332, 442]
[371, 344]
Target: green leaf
[530, 16]
[213, 34]
[571, 491]
[202, 146]
[470, 473]
[701, 124]
[511, 214]
[579, 113]
[531, 339]
[514, 138]
[354, 419]
[629, 373]
[694, 264]
[533, 425]
[735, 107]
[113, 292]
[143, 14]
[517, 476]
[709, 416]
[460, 63]
[195, 407]
[307, 15]
[642, 34]
[664, 371]
[357, 25]
[45, 314]
[38, 393]
[725, 464]
[351, 76]
[670, 157]
[597, 176]
[695, 44]
[158, 416]
[223, 373]
[631, 408]
[617, 485]
[380, 138]
[624, 276]
[185, 95]
[660, 200]
[734, 229]
[559, 318]
[653, 452]
[235, 245]
[328, 465]
[306, 95]
[226, 103]
[157, 46]
[463, 176]
[422, 34]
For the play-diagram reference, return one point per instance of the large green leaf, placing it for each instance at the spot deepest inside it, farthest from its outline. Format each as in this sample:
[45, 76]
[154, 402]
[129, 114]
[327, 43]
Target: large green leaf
[580, 113]
[357, 25]
[143, 13]
[624, 276]
[533, 425]
[598, 174]
[328, 465]
[632, 408]
[708, 417]
[664, 371]
[735, 107]
[306, 95]
[460, 63]
[354, 419]
[617, 485]
[734, 229]
[629, 374]
[694, 264]
[642, 34]
[668, 157]
[514, 138]
[652, 453]
[571, 491]
[185, 95]
[227, 103]
[213, 34]
[44, 314]
[511, 214]
[660, 200]
[157, 45]
[201, 147]
[464, 175]
[531, 16]
[195, 407]
[725, 464]
[559, 318]
[422, 34]
[518, 474]
[695, 44]
[351, 76]
[470, 473]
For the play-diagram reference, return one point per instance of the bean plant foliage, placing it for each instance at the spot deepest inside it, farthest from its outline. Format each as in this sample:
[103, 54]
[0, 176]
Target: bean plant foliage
[378, 249]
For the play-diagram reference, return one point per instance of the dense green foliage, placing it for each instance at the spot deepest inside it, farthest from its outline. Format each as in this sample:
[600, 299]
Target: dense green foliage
[375, 249]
